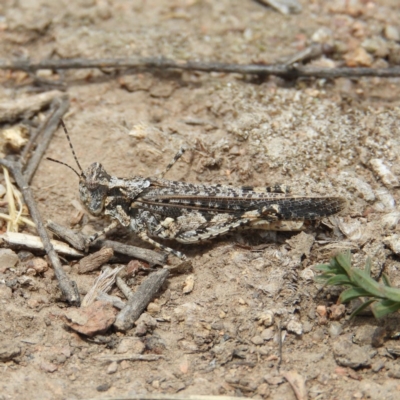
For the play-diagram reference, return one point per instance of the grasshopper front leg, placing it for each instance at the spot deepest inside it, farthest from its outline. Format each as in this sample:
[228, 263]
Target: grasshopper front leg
[107, 229]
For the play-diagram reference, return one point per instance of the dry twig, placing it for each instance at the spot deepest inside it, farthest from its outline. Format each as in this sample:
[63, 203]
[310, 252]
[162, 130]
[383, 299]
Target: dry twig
[282, 70]
[140, 299]
[95, 261]
[174, 396]
[148, 255]
[16, 240]
[130, 357]
[78, 241]
[62, 105]
[102, 284]
[123, 287]
[67, 286]
[298, 384]
[26, 107]
[114, 300]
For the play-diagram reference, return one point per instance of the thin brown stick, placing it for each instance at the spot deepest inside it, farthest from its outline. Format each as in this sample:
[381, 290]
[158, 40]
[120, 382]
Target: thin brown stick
[78, 241]
[311, 52]
[68, 287]
[282, 70]
[23, 241]
[114, 300]
[123, 287]
[280, 344]
[140, 300]
[51, 127]
[102, 284]
[75, 239]
[148, 255]
[130, 357]
[32, 140]
[298, 384]
[26, 107]
[176, 396]
[95, 260]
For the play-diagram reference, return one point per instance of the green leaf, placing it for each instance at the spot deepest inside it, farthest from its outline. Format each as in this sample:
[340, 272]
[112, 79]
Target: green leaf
[344, 260]
[368, 266]
[330, 271]
[361, 279]
[339, 280]
[322, 278]
[361, 308]
[384, 307]
[352, 293]
[383, 297]
[324, 267]
[386, 280]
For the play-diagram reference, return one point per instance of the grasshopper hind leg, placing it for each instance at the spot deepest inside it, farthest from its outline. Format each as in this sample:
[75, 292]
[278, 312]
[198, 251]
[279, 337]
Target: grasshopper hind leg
[143, 235]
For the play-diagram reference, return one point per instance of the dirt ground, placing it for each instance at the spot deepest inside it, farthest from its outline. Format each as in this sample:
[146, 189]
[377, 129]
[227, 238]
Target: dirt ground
[317, 136]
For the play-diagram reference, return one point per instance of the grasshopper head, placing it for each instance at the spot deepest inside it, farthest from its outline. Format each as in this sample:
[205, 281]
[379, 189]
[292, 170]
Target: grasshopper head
[93, 187]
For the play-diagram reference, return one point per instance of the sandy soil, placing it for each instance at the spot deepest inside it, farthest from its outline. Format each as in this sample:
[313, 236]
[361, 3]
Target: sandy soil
[317, 136]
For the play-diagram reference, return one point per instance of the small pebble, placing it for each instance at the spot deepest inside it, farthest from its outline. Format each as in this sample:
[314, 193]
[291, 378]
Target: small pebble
[307, 274]
[39, 265]
[112, 368]
[48, 367]
[130, 345]
[321, 311]
[266, 318]
[393, 242]
[394, 372]
[103, 388]
[268, 334]
[188, 285]
[376, 45]
[337, 311]
[307, 326]
[153, 308]
[359, 58]
[377, 365]
[322, 35]
[392, 33]
[382, 170]
[263, 390]
[257, 340]
[25, 255]
[67, 268]
[295, 327]
[274, 380]
[9, 350]
[5, 292]
[318, 335]
[335, 329]
[8, 258]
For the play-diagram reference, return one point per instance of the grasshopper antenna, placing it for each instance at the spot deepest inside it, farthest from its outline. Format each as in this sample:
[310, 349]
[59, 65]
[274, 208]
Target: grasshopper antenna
[62, 163]
[73, 153]
[70, 145]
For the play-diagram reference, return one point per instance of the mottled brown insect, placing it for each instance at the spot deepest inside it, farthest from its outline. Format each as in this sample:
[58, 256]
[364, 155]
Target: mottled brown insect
[189, 213]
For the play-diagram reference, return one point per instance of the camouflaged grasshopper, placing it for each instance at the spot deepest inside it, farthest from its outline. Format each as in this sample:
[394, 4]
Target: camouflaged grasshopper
[190, 213]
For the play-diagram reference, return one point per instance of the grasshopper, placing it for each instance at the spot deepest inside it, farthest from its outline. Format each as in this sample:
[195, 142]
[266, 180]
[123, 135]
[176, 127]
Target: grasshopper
[190, 213]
